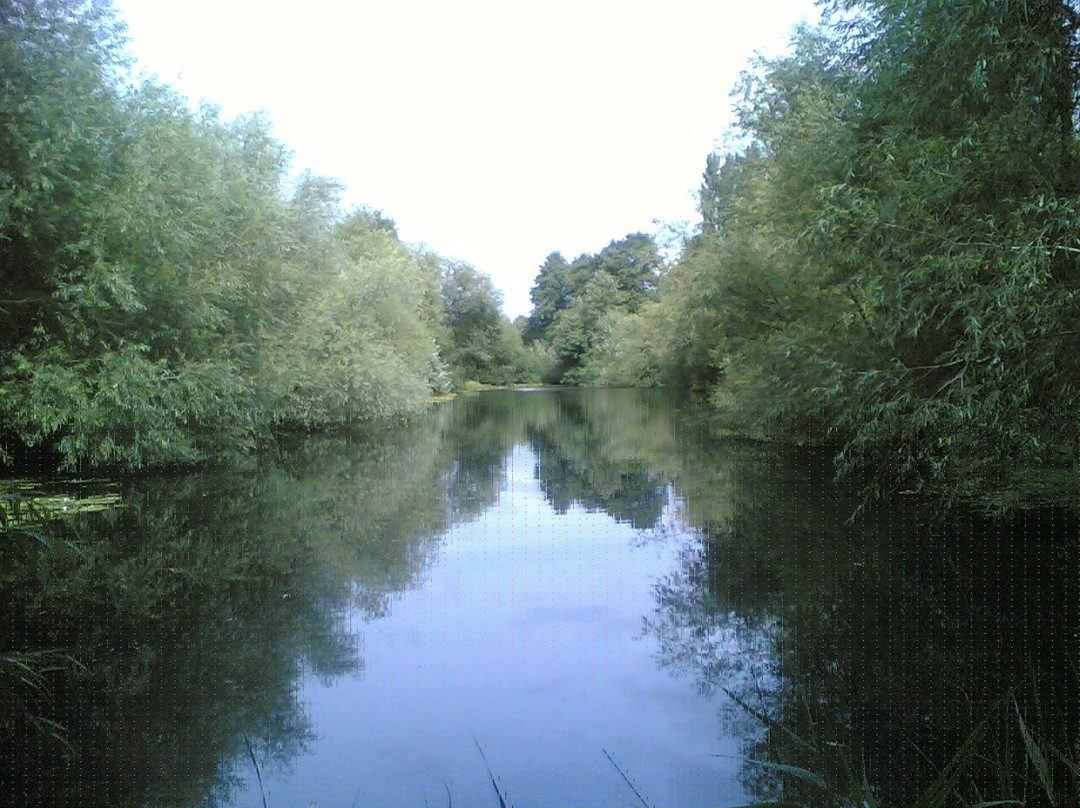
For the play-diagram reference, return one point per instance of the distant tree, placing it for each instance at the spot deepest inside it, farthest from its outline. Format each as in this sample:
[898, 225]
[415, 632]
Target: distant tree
[583, 327]
[570, 299]
[634, 264]
[552, 291]
[477, 348]
[368, 219]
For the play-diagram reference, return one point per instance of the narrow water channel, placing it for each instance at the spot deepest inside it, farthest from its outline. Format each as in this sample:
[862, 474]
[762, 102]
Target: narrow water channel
[523, 635]
[556, 598]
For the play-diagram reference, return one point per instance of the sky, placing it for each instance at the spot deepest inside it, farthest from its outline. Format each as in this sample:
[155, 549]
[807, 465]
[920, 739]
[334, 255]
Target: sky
[493, 132]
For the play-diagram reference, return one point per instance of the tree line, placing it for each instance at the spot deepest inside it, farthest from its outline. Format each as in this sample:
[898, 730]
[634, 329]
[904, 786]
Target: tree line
[887, 262]
[170, 291]
[888, 259]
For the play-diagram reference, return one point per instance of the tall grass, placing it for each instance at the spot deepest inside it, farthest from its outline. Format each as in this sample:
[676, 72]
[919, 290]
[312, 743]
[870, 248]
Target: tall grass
[1015, 755]
[25, 692]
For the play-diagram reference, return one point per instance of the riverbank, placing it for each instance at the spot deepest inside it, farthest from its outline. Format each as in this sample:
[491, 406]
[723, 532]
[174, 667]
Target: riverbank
[776, 644]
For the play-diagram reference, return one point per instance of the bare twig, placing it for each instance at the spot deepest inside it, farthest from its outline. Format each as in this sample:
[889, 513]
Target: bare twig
[503, 801]
[255, 763]
[627, 779]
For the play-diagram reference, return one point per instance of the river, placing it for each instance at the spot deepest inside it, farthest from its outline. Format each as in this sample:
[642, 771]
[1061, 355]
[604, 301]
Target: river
[544, 597]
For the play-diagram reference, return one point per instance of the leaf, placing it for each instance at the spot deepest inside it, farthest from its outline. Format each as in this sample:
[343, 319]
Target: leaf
[794, 771]
[1069, 764]
[1035, 755]
[944, 784]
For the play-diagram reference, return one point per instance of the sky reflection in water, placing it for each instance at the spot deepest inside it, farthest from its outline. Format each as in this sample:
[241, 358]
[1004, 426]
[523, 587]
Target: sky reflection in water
[525, 634]
[553, 574]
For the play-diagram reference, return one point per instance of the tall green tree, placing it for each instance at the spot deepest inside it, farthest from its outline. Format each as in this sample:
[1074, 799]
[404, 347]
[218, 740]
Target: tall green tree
[474, 317]
[963, 204]
[169, 293]
[634, 263]
[551, 292]
[570, 299]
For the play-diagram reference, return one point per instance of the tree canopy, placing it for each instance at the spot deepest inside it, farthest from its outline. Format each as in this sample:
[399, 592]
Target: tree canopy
[170, 290]
[576, 303]
[888, 262]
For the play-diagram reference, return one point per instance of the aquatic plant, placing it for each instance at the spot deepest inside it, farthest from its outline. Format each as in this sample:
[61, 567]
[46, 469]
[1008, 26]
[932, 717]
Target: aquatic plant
[1030, 769]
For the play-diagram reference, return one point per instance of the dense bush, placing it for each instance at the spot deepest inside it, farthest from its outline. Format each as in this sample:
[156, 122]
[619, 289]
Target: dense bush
[889, 260]
[169, 291]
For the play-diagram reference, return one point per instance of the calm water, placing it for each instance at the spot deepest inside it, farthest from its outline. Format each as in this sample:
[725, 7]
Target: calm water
[585, 585]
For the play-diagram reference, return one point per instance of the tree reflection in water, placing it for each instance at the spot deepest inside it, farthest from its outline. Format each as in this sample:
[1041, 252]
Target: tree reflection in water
[187, 617]
[168, 638]
[591, 455]
[869, 652]
[185, 623]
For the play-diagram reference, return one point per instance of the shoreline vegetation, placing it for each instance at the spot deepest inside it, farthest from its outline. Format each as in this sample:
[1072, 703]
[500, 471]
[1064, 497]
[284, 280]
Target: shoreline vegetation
[173, 293]
[894, 654]
[887, 268]
[887, 265]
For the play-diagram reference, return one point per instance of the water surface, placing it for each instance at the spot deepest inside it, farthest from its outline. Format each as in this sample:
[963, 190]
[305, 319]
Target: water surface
[588, 586]
[521, 632]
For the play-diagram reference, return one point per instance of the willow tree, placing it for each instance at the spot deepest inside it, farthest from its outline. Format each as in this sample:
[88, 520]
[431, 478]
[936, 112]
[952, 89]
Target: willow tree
[168, 292]
[360, 344]
[958, 224]
[890, 262]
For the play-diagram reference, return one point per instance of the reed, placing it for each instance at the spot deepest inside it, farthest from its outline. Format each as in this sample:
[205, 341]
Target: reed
[1030, 769]
[504, 801]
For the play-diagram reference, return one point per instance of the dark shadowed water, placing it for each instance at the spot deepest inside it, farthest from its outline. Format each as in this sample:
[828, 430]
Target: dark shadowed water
[584, 596]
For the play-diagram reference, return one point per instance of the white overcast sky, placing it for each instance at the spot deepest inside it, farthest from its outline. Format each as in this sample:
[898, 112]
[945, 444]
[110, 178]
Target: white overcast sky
[494, 132]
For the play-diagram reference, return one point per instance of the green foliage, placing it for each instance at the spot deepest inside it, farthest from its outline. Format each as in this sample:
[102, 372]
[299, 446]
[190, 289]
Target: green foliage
[634, 263]
[476, 347]
[167, 293]
[578, 306]
[583, 327]
[480, 345]
[889, 263]
[968, 214]
[551, 292]
[361, 346]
